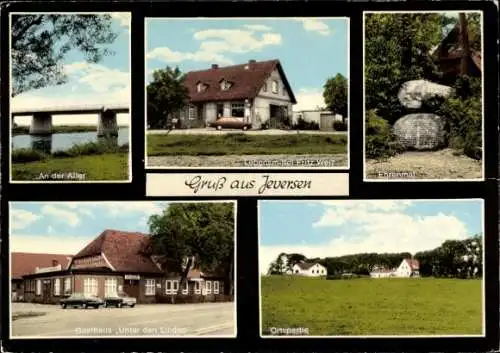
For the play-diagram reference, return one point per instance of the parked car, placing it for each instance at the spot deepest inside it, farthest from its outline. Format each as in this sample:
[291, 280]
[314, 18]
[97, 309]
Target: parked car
[82, 300]
[119, 300]
[230, 123]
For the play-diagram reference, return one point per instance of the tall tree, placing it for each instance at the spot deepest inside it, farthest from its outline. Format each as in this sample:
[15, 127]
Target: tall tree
[40, 42]
[335, 95]
[195, 235]
[166, 95]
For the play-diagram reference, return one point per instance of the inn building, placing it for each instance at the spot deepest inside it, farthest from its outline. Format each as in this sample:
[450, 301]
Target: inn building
[115, 261]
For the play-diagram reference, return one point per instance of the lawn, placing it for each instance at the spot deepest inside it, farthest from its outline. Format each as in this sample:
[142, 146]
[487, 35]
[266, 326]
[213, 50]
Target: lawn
[109, 166]
[243, 144]
[425, 306]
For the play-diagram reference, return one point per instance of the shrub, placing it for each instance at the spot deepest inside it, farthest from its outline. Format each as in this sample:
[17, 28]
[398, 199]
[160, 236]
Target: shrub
[264, 126]
[339, 126]
[92, 148]
[25, 155]
[464, 124]
[380, 141]
[302, 124]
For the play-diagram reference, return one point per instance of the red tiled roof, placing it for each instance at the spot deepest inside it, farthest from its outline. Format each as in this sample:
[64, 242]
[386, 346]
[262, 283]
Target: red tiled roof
[23, 263]
[246, 79]
[414, 264]
[124, 250]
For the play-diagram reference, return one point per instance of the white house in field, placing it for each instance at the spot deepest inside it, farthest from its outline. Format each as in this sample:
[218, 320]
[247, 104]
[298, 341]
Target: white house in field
[311, 269]
[407, 268]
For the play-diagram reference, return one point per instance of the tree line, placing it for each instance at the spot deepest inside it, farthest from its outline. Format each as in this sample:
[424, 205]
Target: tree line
[453, 259]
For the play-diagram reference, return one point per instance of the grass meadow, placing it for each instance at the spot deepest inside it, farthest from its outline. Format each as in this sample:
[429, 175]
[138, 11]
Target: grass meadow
[424, 306]
[244, 144]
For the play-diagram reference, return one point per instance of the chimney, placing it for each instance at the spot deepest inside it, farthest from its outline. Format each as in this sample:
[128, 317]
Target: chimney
[251, 61]
[55, 263]
[215, 66]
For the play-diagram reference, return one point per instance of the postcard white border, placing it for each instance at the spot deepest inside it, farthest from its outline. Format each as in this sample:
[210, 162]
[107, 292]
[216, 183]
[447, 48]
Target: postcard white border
[482, 99]
[483, 280]
[346, 167]
[129, 180]
[235, 274]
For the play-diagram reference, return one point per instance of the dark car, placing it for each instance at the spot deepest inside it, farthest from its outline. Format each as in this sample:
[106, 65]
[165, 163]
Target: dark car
[230, 123]
[82, 300]
[120, 299]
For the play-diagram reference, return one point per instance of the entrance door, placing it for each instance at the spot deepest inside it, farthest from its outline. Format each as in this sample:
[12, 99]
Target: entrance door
[277, 116]
[131, 287]
[46, 291]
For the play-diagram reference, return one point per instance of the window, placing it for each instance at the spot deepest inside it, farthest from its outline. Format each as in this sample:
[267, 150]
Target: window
[238, 110]
[90, 286]
[224, 85]
[283, 91]
[185, 290]
[38, 287]
[200, 87]
[216, 287]
[264, 88]
[150, 287]
[197, 287]
[171, 286]
[208, 287]
[220, 110]
[275, 86]
[67, 285]
[110, 287]
[57, 286]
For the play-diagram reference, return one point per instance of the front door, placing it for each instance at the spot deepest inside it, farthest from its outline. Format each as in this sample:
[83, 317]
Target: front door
[131, 287]
[46, 291]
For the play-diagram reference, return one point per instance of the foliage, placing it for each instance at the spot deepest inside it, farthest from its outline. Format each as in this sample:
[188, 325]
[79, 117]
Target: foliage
[380, 141]
[92, 148]
[166, 95]
[200, 235]
[335, 95]
[230, 144]
[397, 50]
[24, 155]
[191, 299]
[425, 306]
[340, 126]
[108, 166]
[303, 124]
[41, 42]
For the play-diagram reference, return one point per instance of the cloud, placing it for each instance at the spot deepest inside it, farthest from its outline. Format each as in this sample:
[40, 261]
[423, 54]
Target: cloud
[49, 243]
[61, 215]
[373, 226]
[317, 26]
[123, 19]
[121, 209]
[309, 99]
[258, 27]
[215, 43]
[87, 82]
[20, 219]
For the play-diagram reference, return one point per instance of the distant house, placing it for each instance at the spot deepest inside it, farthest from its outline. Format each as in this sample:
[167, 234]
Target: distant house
[407, 268]
[311, 269]
[256, 92]
[448, 56]
[324, 118]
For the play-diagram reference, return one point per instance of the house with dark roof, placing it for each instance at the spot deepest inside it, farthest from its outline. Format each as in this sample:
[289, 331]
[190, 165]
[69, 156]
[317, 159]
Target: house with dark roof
[311, 269]
[449, 53]
[256, 92]
[115, 261]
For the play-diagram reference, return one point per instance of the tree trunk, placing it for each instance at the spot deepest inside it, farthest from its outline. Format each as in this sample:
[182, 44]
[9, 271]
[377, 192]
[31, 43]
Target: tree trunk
[183, 280]
[464, 44]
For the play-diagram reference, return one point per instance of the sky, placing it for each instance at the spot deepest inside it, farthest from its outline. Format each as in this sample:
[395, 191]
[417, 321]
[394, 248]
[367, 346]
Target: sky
[67, 227]
[310, 50]
[342, 227]
[105, 82]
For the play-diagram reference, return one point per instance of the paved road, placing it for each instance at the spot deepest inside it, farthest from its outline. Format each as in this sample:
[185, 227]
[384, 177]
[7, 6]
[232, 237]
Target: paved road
[211, 131]
[208, 319]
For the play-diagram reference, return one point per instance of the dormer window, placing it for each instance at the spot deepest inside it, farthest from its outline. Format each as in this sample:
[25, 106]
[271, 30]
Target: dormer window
[264, 88]
[200, 87]
[275, 87]
[225, 85]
